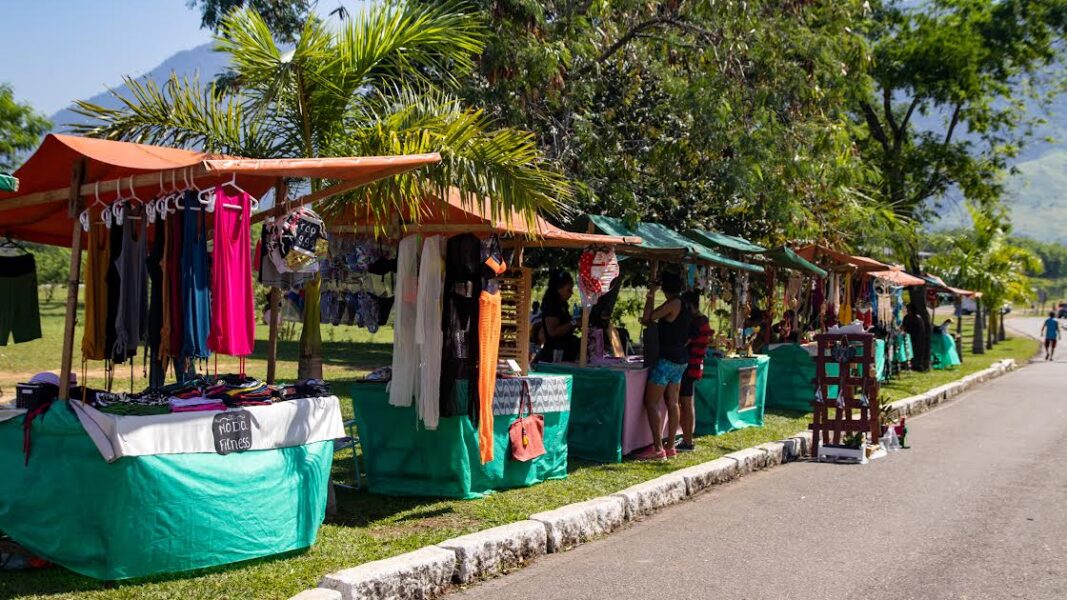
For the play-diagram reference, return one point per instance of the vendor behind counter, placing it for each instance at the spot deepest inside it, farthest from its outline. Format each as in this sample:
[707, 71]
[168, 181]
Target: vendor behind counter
[557, 322]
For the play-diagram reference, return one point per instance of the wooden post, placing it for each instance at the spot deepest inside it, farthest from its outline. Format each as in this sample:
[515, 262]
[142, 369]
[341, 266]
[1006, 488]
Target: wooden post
[73, 209]
[583, 353]
[274, 299]
[524, 309]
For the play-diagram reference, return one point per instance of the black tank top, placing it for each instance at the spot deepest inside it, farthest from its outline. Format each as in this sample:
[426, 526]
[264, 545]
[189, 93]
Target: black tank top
[673, 336]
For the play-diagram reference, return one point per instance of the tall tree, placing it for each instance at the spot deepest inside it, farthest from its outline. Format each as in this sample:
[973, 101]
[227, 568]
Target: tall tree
[284, 18]
[966, 65]
[378, 86]
[731, 114]
[21, 129]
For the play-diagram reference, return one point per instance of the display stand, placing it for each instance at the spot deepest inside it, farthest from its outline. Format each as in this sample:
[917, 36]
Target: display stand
[857, 387]
[732, 395]
[401, 458]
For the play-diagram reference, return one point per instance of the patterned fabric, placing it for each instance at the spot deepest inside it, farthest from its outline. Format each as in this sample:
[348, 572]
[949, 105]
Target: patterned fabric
[548, 393]
[596, 270]
[699, 336]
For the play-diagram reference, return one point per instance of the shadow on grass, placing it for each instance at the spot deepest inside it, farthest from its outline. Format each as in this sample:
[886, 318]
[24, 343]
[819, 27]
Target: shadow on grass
[358, 355]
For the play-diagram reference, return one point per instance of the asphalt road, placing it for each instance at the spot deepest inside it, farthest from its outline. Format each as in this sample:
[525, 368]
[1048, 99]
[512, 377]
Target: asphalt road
[975, 509]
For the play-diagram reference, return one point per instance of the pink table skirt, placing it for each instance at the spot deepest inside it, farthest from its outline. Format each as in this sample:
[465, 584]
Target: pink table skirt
[635, 431]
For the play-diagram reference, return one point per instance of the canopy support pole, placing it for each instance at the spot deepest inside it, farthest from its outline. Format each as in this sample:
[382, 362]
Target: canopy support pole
[73, 209]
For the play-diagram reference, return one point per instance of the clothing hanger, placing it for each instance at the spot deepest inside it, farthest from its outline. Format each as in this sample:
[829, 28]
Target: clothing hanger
[9, 244]
[233, 183]
[206, 196]
[188, 186]
[133, 197]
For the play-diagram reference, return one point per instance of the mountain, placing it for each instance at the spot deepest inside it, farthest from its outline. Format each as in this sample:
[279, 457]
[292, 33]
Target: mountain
[200, 62]
[1039, 197]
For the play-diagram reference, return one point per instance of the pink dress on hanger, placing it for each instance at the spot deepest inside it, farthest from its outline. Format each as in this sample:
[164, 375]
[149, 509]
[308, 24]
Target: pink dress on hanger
[232, 310]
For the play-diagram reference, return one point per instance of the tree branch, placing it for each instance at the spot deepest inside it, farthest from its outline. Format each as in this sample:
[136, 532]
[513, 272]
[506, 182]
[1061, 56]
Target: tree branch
[907, 115]
[636, 31]
[937, 176]
[887, 108]
[875, 125]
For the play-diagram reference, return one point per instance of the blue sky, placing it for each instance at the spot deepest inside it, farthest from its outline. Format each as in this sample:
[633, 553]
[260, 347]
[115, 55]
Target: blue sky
[55, 51]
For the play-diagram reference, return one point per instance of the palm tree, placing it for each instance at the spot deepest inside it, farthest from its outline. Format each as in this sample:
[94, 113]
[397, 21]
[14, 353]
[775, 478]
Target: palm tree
[983, 259]
[379, 84]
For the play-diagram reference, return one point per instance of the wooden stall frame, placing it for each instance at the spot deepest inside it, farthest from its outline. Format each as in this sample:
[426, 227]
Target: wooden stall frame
[824, 430]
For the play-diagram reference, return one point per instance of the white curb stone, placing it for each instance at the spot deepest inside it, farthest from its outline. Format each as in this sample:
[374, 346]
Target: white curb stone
[775, 453]
[648, 497]
[420, 575]
[581, 522]
[748, 460]
[495, 550]
[702, 476]
[318, 594]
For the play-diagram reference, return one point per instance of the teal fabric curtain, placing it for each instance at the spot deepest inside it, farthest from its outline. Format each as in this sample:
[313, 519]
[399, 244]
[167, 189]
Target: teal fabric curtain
[403, 459]
[152, 515]
[717, 397]
[598, 403]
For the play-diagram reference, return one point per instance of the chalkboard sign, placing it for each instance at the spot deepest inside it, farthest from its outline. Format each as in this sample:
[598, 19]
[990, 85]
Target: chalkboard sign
[232, 431]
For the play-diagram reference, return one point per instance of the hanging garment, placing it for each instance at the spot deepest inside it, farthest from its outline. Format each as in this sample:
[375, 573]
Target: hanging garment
[97, 263]
[113, 284]
[596, 270]
[174, 329]
[156, 374]
[233, 318]
[463, 285]
[428, 335]
[20, 316]
[845, 315]
[489, 345]
[196, 281]
[132, 313]
[405, 365]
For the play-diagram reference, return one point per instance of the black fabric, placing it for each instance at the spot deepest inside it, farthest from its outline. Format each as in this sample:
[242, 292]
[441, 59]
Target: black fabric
[459, 323]
[600, 314]
[383, 266]
[17, 266]
[113, 285]
[155, 307]
[673, 336]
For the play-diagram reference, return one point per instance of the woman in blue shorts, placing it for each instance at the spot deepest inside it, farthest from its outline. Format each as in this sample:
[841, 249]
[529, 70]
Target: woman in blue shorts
[672, 325]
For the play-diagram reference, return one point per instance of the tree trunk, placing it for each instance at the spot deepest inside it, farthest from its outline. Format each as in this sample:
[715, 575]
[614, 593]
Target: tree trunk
[977, 344]
[991, 332]
[920, 343]
[1001, 334]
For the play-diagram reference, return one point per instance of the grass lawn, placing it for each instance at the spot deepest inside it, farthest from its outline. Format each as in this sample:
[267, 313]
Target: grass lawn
[370, 527]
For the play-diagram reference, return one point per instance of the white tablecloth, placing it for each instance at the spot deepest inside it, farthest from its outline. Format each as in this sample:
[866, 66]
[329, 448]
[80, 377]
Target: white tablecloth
[291, 423]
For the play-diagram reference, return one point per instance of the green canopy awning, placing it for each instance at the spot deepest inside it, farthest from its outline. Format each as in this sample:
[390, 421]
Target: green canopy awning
[659, 239]
[8, 183]
[782, 256]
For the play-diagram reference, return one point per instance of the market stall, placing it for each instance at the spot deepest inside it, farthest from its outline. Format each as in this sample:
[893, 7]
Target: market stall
[610, 423]
[944, 353]
[454, 441]
[164, 475]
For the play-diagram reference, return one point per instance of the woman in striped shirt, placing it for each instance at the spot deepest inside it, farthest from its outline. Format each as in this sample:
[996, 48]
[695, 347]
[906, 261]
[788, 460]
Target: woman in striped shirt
[700, 335]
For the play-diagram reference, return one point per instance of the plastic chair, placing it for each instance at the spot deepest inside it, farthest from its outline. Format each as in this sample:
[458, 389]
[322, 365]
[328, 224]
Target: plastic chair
[350, 442]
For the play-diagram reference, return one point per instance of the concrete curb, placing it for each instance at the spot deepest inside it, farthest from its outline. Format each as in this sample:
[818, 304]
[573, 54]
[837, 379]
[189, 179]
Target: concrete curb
[429, 572]
[915, 405]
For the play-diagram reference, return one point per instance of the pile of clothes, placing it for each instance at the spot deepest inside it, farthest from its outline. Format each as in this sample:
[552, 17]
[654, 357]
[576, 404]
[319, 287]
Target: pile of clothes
[206, 394]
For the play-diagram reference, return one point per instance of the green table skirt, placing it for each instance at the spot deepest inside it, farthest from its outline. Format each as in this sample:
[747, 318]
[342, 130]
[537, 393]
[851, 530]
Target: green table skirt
[151, 515]
[401, 458]
[943, 354]
[791, 381]
[717, 395]
[598, 404]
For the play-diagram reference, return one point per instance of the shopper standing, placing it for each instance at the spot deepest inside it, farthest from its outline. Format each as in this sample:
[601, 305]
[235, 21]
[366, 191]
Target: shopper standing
[664, 380]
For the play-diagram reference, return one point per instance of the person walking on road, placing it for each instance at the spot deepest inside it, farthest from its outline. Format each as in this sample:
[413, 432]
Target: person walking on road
[1051, 330]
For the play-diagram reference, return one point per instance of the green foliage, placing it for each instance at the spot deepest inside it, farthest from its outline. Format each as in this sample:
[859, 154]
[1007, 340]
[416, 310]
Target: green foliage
[986, 260]
[21, 129]
[380, 85]
[725, 114]
[284, 17]
[1053, 257]
[969, 65]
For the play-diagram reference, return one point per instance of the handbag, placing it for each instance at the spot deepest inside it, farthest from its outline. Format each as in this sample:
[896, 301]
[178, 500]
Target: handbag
[527, 434]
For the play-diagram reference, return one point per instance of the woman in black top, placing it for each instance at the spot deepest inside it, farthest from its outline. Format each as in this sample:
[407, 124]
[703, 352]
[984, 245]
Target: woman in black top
[664, 380]
[556, 321]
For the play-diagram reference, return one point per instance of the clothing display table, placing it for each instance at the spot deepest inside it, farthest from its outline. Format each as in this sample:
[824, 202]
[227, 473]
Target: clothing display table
[401, 458]
[791, 377]
[156, 510]
[608, 418]
[943, 354]
[731, 395]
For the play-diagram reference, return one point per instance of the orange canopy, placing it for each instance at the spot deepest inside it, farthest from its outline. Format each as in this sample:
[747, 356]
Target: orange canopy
[863, 264]
[897, 276]
[476, 216]
[38, 211]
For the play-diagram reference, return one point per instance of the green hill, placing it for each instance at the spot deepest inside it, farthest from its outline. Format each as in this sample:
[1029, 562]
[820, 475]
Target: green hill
[1038, 198]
